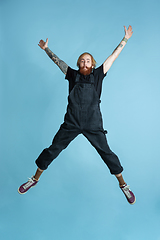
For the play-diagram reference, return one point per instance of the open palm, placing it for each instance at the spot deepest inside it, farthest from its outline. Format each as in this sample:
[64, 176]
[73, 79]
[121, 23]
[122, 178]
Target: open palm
[128, 32]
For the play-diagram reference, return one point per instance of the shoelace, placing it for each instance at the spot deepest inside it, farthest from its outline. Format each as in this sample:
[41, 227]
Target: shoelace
[29, 183]
[126, 191]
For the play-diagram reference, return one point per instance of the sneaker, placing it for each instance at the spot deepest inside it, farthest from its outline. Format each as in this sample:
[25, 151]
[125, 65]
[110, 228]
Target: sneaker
[128, 193]
[26, 186]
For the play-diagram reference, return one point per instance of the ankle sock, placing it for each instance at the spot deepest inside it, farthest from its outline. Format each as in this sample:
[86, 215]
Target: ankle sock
[38, 174]
[120, 180]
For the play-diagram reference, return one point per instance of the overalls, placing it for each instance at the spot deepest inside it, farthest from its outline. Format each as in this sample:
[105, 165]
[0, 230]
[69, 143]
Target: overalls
[83, 116]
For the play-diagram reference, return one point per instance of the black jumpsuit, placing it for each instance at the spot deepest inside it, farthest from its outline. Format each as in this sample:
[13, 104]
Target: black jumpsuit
[83, 116]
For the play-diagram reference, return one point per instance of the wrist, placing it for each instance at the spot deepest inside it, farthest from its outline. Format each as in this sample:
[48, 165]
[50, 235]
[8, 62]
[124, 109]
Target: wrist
[125, 39]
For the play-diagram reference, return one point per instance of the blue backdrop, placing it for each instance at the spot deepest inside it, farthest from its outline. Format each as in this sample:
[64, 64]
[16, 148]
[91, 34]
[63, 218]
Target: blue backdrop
[77, 198]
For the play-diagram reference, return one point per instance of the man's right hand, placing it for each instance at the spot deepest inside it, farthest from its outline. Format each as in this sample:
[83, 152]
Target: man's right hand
[43, 44]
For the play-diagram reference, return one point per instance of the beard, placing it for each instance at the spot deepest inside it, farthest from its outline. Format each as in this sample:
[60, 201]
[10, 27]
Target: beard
[85, 71]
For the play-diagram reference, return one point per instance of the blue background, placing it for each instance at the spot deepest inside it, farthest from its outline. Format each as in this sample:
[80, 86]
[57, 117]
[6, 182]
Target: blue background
[77, 198]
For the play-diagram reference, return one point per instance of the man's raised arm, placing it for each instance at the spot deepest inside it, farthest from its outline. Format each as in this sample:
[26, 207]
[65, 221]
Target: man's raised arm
[61, 64]
[109, 61]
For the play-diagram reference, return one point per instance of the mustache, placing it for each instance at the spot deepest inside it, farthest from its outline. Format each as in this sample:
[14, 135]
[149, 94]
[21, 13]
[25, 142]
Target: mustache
[85, 67]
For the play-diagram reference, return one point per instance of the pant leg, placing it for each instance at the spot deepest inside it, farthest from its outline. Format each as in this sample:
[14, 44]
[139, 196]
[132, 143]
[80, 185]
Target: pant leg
[61, 140]
[99, 142]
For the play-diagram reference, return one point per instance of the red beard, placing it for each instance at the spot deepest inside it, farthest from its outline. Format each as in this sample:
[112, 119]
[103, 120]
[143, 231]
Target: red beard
[86, 71]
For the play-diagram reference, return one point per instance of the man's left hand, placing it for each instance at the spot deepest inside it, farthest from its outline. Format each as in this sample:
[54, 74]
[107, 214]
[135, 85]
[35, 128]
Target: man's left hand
[128, 32]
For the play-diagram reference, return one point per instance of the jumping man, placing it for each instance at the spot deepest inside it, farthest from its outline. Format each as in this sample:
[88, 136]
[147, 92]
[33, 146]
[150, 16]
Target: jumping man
[83, 115]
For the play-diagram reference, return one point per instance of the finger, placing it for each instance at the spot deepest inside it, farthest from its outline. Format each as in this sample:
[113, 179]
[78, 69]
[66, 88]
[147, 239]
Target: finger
[47, 40]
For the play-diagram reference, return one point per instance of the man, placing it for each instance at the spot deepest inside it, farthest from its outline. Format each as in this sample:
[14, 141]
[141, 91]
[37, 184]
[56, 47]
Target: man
[83, 114]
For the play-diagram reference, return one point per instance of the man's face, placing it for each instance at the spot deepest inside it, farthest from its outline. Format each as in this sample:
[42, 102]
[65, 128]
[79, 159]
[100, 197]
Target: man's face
[85, 66]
